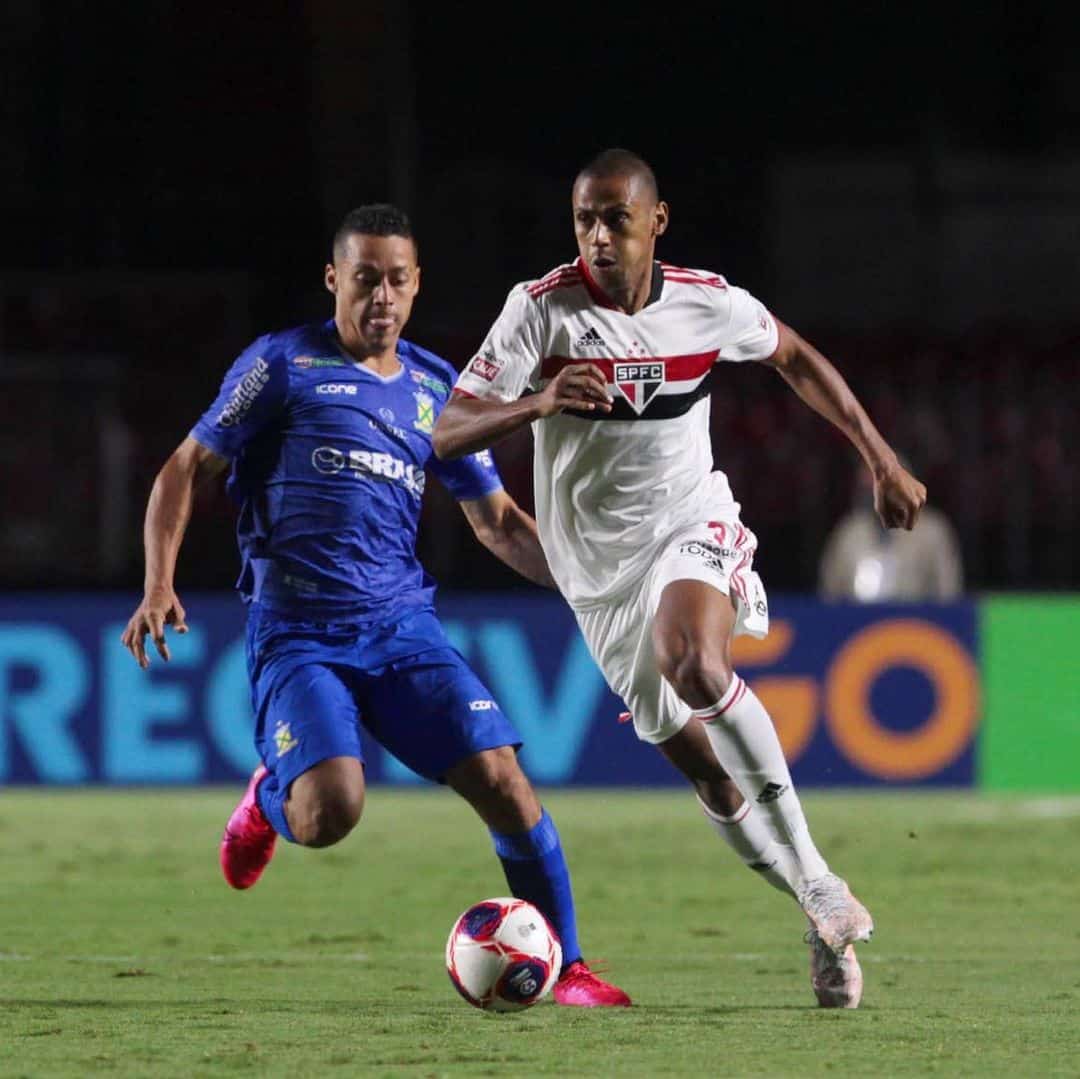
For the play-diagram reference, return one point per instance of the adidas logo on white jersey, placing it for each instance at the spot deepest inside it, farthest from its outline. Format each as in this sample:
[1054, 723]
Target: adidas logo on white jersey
[590, 339]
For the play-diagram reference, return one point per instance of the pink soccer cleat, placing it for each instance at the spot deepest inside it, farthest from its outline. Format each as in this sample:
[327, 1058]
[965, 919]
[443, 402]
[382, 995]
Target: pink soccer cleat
[248, 843]
[835, 913]
[580, 987]
[836, 979]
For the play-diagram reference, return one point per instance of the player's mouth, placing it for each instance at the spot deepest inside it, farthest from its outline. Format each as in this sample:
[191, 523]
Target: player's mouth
[381, 324]
[603, 262]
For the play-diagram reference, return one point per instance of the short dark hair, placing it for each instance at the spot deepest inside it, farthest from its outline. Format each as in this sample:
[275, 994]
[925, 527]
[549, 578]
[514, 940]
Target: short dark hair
[375, 219]
[619, 162]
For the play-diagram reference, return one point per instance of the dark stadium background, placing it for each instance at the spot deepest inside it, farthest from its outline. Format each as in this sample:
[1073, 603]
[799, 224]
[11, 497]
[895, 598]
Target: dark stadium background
[903, 186]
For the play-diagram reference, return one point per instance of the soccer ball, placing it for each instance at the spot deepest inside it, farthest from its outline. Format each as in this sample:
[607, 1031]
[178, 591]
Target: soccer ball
[503, 955]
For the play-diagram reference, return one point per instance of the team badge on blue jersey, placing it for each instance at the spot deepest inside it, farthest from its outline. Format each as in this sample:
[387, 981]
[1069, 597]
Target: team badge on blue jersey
[283, 739]
[425, 412]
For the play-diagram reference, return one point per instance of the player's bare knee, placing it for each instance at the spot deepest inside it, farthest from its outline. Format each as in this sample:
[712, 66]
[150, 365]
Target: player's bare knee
[331, 825]
[699, 672]
[326, 818]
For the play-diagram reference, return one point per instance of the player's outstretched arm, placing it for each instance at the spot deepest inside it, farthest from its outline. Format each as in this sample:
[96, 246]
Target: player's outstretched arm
[506, 530]
[167, 515]
[898, 496]
[468, 424]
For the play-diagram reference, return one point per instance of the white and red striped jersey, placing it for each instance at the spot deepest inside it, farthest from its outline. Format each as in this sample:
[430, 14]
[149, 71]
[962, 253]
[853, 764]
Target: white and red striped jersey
[610, 489]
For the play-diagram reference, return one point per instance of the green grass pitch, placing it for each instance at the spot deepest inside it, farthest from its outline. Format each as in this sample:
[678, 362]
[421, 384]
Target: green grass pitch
[124, 953]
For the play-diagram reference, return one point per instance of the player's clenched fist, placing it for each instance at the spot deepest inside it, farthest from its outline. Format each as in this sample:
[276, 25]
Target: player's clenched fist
[157, 610]
[580, 386]
[898, 498]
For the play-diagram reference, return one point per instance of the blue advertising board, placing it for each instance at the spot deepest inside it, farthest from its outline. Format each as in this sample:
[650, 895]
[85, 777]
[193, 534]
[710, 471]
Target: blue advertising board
[860, 695]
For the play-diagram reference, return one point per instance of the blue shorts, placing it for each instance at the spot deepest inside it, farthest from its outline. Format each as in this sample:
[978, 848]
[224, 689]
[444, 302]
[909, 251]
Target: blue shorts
[314, 683]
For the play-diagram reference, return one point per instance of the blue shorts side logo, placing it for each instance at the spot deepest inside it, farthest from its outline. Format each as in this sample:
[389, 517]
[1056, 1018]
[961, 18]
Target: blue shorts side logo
[284, 740]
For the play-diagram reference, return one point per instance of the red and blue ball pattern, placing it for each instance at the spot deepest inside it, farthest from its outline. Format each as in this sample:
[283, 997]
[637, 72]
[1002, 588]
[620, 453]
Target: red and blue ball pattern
[503, 955]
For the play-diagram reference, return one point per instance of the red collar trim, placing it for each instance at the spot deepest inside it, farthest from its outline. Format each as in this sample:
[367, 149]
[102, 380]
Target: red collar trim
[598, 295]
[601, 298]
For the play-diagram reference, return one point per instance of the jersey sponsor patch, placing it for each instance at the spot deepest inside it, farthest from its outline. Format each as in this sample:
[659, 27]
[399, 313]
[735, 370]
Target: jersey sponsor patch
[486, 365]
[639, 383]
[243, 396]
[307, 362]
[436, 385]
[370, 464]
[712, 555]
[333, 389]
[390, 429]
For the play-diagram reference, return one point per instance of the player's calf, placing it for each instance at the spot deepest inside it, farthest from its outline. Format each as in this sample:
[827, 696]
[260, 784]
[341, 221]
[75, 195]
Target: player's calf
[690, 752]
[493, 783]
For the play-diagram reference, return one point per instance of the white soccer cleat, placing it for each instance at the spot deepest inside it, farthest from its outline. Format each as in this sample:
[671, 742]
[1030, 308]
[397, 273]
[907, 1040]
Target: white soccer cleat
[835, 913]
[836, 979]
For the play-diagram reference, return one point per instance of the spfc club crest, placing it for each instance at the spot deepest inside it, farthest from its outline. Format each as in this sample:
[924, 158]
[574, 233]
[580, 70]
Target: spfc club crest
[639, 383]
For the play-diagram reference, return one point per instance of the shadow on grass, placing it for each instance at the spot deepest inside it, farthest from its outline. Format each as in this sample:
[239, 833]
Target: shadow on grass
[675, 1014]
[678, 1012]
[24, 1003]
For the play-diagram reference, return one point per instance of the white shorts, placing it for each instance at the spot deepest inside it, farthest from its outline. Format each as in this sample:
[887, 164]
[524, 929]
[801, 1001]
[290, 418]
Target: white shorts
[719, 552]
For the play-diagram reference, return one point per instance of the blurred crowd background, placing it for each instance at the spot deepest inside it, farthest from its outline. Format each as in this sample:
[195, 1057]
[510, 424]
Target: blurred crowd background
[904, 191]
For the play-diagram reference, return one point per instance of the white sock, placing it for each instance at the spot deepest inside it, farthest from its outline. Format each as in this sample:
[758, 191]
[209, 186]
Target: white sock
[748, 834]
[745, 743]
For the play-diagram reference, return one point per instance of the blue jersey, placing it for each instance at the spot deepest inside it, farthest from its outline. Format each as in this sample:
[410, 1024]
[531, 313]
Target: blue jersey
[328, 467]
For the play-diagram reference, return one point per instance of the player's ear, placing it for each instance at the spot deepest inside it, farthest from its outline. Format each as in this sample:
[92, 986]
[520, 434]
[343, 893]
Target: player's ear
[417, 280]
[330, 278]
[661, 216]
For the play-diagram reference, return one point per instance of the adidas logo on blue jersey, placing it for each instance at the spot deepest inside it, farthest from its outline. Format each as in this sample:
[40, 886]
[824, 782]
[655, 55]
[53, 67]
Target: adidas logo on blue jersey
[590, 339]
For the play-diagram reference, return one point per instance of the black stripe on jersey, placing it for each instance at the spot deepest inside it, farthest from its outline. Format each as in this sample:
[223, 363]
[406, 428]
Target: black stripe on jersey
[664, 406]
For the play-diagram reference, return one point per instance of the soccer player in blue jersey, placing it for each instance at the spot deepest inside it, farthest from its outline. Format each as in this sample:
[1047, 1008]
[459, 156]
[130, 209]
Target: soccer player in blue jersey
[326, 430]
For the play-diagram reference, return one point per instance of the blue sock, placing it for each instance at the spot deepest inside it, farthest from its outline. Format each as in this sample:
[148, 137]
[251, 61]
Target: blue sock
[272, 797]
[536, 871]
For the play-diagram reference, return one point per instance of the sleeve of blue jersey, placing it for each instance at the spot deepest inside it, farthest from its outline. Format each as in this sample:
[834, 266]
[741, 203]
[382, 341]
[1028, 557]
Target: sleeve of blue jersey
[252, 395]
[468, 477]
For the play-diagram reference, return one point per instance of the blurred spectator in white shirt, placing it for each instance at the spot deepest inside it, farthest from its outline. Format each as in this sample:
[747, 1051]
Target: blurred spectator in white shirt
[865, 563]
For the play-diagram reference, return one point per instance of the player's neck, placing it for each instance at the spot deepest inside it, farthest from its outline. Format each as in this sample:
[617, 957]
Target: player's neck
[635, 295]
[383, 361]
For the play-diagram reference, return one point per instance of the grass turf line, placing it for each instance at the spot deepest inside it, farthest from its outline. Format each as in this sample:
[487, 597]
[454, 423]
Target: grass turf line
[124, 953]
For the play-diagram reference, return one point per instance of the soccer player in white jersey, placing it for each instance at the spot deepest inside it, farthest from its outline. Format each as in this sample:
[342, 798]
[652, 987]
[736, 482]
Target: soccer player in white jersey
[611, 358]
